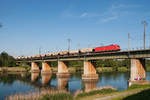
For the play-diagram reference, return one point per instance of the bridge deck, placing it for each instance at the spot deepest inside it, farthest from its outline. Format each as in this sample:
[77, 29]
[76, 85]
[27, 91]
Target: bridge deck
[144, 53]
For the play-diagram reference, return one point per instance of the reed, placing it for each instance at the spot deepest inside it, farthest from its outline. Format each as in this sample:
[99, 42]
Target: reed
[41, 94]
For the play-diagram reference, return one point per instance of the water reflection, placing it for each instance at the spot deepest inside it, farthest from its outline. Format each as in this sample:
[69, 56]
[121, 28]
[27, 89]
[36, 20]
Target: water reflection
[34, 76]
[89, 85]
[46, 78]
[63, 83]
[20, 83]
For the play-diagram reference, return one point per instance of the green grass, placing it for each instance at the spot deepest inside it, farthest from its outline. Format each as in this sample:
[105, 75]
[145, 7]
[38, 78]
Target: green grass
[111, 69]
[148, 68]
[143, 95]
[123, 69]
[104, 69]
[68, 96]
[58, 96]
[139, 86]
[94, 92]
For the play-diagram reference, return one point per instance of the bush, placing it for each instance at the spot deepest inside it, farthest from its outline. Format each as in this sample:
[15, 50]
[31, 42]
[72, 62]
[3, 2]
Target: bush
[107, 69]
[139, 86]
[103, 91]
[58, 96]
[122, 69]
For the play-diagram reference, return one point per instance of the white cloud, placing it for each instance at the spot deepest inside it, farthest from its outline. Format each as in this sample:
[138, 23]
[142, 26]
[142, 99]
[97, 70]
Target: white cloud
[114, 12]
[117, 11]
[123, 6]
[84, 14]
[108, 19]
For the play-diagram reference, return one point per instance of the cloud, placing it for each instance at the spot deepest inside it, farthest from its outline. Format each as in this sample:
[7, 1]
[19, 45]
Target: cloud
[117, 11]
[116, 6]
[114, 12]
[108, 19]
[84, 14]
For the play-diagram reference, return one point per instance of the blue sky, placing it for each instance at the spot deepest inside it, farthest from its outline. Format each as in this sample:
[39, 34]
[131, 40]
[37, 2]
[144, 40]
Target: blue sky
[47, 24]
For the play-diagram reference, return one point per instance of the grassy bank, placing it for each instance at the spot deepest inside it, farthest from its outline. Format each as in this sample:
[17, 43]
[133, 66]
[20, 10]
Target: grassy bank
[135, 92]
[71, 69]
[80, 96]
[58, 96]
[143, 95]
[99, 69]
[13, 69]
[138, 92]
[50, 94]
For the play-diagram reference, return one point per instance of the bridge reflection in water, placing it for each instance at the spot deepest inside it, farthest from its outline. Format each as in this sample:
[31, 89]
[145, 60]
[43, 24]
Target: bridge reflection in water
[41, 82]
[34, 76]
[46, 78]
[62, 81]
[89, 85]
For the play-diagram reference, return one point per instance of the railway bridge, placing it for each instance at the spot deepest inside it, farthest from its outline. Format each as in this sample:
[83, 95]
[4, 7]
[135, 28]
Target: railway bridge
[137, 65]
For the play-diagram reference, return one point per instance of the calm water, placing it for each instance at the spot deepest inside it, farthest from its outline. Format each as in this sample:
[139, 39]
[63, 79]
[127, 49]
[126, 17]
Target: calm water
[12, 83]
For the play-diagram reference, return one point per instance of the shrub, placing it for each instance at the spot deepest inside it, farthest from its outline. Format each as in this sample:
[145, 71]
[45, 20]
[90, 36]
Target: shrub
[58, 96]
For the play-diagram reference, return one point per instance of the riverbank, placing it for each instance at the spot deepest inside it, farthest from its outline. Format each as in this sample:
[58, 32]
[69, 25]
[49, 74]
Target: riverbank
[54, 94]
[135, 92]
[35, 82]
[13, 69]
[98, 69]
[71, 69]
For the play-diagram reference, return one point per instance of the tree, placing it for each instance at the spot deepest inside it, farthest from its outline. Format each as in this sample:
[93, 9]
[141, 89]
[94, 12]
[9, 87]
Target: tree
[7, 60]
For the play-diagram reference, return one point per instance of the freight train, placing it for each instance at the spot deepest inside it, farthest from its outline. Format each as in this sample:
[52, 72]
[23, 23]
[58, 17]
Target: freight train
[109, 48]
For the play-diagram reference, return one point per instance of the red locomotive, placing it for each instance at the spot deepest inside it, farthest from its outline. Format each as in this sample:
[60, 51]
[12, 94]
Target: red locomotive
[114, 47]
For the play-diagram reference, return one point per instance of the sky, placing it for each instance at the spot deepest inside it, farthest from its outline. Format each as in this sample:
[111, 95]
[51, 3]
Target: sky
[46, 25]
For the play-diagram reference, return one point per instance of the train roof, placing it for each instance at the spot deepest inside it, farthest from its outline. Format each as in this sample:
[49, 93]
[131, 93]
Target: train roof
[110, 45]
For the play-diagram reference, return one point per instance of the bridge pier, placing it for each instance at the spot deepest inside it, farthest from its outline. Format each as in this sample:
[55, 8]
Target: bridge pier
[89, 71]
[46, 69]
[62, 69]
[34, 67]
[137, 69]
[90, 85]
[137, 72]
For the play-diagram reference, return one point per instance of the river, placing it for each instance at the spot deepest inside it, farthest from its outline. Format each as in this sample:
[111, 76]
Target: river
[12, 83]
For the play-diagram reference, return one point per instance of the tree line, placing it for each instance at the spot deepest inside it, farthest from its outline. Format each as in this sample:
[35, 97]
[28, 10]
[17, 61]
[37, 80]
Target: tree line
[7, 60]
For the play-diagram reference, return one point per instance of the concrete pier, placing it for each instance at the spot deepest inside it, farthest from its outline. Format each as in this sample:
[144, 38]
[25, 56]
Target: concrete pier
[34, 67]
[62, 69]
[137, 73]
[46, 69]
[137, 69]
[89, 71]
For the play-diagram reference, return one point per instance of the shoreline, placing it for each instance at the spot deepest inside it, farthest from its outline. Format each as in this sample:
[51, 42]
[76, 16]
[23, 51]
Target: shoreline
[71, 69]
